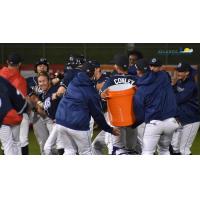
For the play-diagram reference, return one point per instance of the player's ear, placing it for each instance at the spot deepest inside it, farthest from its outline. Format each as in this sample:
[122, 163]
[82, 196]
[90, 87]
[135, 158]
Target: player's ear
[187, 73]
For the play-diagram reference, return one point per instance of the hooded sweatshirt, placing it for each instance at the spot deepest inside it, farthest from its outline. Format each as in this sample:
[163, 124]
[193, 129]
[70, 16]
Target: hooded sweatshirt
[187, 99]
[154, 99]
[80, 103]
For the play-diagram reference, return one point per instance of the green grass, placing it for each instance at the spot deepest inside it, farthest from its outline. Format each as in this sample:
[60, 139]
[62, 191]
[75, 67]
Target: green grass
[34, 148]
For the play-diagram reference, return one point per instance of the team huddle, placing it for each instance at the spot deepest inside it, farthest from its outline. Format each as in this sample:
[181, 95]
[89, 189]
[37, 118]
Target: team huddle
[64, 109]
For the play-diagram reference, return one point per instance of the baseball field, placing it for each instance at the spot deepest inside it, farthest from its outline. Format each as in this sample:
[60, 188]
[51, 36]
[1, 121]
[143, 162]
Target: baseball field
[34, 148]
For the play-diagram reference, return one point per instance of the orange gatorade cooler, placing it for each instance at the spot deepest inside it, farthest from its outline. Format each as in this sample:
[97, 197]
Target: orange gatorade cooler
[120, 104]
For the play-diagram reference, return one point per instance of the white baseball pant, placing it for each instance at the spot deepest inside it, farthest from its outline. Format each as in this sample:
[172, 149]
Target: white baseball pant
[76, 141]
[55, 138]
[91, 126]
[6, 137]
[16, 141]
[158, 133]
[140, 133]
[24, 130]
[103, 139]
[183, 138]
[42, 129]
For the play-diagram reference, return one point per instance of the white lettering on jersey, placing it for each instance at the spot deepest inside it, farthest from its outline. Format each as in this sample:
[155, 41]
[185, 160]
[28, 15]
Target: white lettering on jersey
[179, 89]
[47, 103]
[123, 81]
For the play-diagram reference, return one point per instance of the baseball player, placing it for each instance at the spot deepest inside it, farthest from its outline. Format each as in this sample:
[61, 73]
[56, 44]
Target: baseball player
[12, 105]
[127, 140]
[133, 56]
[186, 93]
[12, 74]
[72, 67]
[47, 108]
[75, 110]
[155, 104]
[34, 91]
[101, 139]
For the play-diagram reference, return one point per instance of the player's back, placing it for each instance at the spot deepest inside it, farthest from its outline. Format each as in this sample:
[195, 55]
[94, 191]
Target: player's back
[119, 79]
[155, 95]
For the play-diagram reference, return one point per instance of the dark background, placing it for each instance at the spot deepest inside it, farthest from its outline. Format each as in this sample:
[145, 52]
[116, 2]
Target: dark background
[103, 52]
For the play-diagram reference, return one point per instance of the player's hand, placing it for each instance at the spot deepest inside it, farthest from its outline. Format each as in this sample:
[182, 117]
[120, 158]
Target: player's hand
[33, 99]
[116, 131]
[54, 96]
[173, 81]
[55, 81]
[99, 85]
[104, 94]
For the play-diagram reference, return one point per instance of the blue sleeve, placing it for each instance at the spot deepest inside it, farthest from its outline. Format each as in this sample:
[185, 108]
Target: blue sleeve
[16, 99]
[106, 85]
[96, 111]
[186, 94]
[138, 107]
[68, 77]
[5, 106]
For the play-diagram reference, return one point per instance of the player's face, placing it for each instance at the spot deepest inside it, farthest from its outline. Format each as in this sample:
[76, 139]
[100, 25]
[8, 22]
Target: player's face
[132, 59]
[155, 69]
[43, 83]
[41, 68]
[182, 75]
[140, 73]
[97, 72]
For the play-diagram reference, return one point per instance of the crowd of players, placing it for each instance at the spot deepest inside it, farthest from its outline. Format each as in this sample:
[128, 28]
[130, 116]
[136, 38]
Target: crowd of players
[63, 108]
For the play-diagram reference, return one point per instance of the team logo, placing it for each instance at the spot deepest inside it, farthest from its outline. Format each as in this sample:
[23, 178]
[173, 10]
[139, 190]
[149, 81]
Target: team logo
[179, 65]
[154, 60]
[125, 66]
[179, 89]
[47, 103]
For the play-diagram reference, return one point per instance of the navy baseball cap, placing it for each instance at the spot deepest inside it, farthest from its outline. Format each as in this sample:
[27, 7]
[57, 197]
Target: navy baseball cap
[183, 67]
[142, 65]
[14, 59]
[155, 62]
[89, 67]
[122, 61]
[42, 61]
[94, 63]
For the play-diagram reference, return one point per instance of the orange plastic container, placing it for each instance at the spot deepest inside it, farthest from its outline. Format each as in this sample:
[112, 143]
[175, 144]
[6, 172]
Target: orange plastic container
[120, 104]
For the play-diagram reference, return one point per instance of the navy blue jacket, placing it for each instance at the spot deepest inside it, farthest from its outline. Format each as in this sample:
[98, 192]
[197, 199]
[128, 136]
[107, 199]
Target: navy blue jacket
[16, 99]
[69, 75]
[154, 99]
[5, 106]
[187, 99]
[80, 103]
[50, 106]
[132, 70]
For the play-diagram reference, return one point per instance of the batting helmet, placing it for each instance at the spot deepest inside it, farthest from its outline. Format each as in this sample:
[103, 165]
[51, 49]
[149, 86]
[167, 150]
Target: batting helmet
[90, 66]
[74, 61]
[41, 61]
